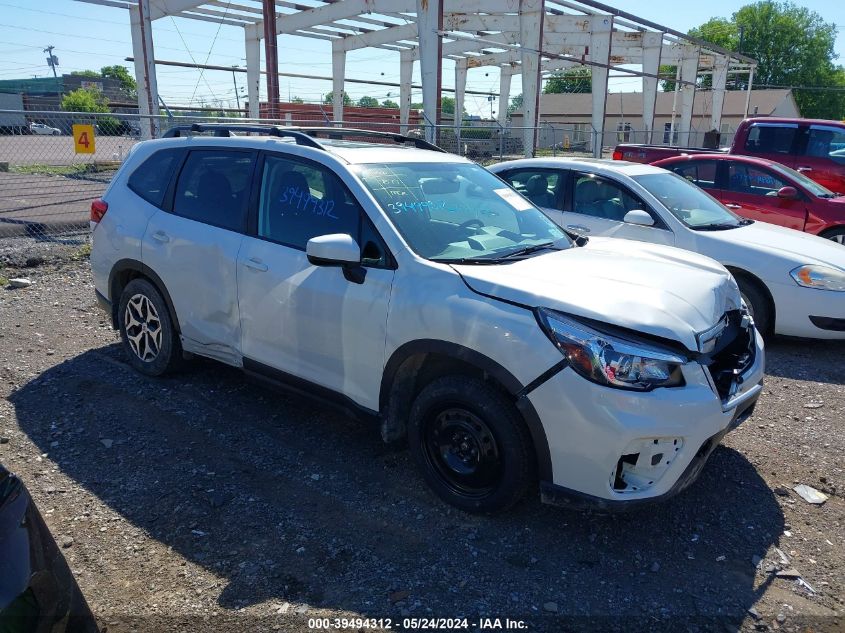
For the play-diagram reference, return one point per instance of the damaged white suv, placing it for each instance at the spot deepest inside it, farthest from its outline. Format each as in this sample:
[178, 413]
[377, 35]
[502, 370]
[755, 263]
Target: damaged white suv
[413, 286]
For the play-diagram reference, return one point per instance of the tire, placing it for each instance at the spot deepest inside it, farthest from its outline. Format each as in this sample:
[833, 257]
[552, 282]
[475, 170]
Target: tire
[758, 304]
[146, 329]
[837, 235]
[55, 133]
[471, 445]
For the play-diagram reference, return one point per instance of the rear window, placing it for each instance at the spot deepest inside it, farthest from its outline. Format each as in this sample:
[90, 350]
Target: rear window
[151, 178]
[698, 172]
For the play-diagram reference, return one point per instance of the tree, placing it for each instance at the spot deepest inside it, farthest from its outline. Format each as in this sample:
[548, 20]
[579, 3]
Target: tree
[577, 79]
[297, 100]
[347, 100]
[447, 106]
[88, 74]
[794, 47]
[85, 100]
[368, 102]
[516, 104]
[416, 106]
[387, 103]
[121, 74]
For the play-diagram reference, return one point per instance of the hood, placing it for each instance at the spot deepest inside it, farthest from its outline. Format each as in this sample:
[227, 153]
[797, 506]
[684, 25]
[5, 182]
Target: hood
[658, 290]
[789, 245]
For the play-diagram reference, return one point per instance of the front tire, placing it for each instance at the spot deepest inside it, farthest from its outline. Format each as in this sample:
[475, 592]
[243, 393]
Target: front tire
[146, 329]
[758, 305]
[471, 445]
[837, 235]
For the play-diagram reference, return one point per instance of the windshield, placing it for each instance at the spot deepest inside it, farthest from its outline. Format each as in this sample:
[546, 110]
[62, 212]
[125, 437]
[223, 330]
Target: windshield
[810, 185]
[459, 212]
[691, 205]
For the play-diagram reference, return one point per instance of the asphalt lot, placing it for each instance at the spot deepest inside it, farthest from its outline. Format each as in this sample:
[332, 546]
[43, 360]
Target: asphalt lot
[202, 502]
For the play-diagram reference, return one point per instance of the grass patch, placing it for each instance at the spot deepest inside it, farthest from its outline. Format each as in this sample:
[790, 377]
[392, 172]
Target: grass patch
[83, 252]
[76, 169]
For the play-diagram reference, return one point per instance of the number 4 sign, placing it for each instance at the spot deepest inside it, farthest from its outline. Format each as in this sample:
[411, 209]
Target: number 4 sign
[83, 139]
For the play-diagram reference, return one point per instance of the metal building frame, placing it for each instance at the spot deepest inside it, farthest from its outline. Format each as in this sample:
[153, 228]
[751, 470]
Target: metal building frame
[527, 37]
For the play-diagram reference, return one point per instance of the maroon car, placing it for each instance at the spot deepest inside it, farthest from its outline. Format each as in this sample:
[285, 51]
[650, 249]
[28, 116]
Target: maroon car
[764, 190]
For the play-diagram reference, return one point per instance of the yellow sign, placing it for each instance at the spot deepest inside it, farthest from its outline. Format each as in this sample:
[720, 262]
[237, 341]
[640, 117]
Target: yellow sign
[83, 139]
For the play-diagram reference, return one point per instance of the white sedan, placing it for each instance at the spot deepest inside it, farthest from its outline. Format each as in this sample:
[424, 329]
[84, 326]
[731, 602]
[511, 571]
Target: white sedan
[40, 128]
[793, 282]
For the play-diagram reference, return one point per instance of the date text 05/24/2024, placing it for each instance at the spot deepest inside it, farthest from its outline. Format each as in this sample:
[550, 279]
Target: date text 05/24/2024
[429, 624]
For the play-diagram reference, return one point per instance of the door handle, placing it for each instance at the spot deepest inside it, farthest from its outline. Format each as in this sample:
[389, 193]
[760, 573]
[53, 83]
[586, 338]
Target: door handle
[578, 228]
[161, 236]
[805, 168]
[256, 264]
[733, 206]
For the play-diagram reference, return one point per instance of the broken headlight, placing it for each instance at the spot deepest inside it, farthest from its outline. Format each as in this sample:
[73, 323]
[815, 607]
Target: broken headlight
[608, 360]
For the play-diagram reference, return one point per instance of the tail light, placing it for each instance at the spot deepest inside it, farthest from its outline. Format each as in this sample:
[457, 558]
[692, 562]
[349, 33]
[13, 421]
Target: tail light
[98, 210]
[617, 155]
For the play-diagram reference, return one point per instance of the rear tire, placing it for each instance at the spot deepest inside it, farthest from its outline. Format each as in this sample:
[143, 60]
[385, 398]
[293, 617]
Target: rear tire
[471, 445]
[146, 329]
[758, 304]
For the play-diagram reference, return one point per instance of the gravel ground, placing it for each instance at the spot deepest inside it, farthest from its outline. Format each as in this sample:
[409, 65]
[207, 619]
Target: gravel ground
[202, 502]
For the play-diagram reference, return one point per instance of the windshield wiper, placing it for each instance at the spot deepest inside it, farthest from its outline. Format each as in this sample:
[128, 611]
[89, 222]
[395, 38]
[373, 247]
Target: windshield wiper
[719, 226]
[528, 250]
[465, 260]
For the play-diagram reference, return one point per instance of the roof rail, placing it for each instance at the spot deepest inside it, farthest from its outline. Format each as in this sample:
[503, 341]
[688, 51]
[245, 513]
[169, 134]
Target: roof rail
[396, 138]
[225, 130]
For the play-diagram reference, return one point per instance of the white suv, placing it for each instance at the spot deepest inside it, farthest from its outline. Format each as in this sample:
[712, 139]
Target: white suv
[413, 286]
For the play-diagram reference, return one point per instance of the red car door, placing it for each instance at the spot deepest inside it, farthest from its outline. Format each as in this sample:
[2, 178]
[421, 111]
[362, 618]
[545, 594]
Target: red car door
[752, 192]
[822, 157]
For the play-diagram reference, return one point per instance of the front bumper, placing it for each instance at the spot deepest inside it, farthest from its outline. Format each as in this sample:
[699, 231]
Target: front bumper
[808, 312]
[591, 428]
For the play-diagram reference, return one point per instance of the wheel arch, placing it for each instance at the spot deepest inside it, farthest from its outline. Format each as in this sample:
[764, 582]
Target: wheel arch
[415, 364]
[124, 271]
[736, 271]
[838, 229]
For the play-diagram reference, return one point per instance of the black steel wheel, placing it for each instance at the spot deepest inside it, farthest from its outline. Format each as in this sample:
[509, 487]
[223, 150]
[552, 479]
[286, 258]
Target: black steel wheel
[471, 444]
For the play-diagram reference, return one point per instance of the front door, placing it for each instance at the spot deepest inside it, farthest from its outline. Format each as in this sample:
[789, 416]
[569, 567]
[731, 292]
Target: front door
[823, 156]
[306, 321]
[597, 206]
[752, 192]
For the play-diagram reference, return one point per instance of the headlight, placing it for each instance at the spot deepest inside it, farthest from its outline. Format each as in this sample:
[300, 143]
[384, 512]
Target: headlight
[821, 277]
[608, 360]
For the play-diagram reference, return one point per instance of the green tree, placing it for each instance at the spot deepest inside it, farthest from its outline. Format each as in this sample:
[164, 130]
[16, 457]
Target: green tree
[447, 106]
[329, 98]
[416, 106]
[578, 79]
[127, 81]
[297, 100]
[368, 102]
[85, 100]
[515, 104]
[88, 74]
[387, 103]
[794, 47]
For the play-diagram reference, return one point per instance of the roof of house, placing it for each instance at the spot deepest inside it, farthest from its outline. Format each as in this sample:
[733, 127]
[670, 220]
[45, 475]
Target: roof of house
[631, 103]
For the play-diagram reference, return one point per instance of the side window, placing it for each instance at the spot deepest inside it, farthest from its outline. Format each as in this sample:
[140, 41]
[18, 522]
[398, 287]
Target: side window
[300, 200]
[770, 139]
[699, 172]
[603, 198]
[151, 178]
[538, 185]
[214, 188]
[826, 142]
[751, 180]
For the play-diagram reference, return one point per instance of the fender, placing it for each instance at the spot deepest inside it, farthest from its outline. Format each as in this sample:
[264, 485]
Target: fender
[476, 359]
[133, 265]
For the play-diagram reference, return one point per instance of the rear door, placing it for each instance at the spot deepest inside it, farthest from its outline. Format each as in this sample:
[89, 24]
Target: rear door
[703, 173]
[595, 205]
[751, 191]
[305, 321]
[193, 246]
[822, 156]
[774, 141]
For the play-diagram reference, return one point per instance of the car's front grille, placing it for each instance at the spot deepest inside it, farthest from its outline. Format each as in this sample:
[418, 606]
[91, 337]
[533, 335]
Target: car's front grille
[732, 354]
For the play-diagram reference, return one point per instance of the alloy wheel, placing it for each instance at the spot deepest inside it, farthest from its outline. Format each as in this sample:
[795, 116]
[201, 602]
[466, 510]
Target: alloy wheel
[143, 327]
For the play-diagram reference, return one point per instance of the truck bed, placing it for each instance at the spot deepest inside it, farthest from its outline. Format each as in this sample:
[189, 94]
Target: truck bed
[643, 153]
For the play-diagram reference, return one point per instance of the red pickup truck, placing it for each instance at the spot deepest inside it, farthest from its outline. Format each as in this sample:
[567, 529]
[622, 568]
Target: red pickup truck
[815, 147]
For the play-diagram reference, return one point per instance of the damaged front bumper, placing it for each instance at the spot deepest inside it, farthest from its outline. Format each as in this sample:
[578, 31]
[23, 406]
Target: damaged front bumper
[615, 450]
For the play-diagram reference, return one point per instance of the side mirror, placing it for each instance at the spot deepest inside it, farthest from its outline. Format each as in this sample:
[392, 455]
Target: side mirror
[337, 249]
[789, 193]
[639, 217]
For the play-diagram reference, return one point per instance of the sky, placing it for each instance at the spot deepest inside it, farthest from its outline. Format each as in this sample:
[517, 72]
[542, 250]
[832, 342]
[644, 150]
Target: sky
[87, 36]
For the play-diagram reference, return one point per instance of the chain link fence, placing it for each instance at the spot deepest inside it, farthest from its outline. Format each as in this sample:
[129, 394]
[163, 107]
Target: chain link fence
[48, 177]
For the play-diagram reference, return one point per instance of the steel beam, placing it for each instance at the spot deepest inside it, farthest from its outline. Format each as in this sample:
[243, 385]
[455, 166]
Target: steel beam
[652, 47]
[338, 77]
[429, 19]
[601, 27]
[531, 14]
[145, 72]
[252, 46]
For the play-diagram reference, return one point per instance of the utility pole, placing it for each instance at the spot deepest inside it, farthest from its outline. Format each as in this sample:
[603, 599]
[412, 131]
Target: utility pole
[235, 81]
[741, 38]
[52, 60]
